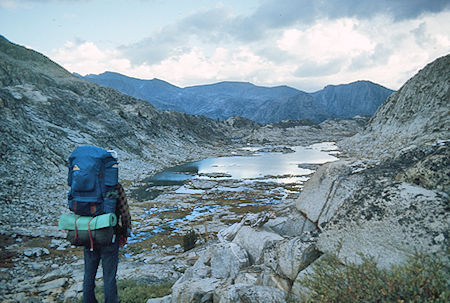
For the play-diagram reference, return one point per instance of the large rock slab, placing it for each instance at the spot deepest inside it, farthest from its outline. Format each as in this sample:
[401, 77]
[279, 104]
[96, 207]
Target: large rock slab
[255, 240]
[220, 261]
[217, 267]
[194, 291]
[292, 226]
[326, 191]
[227, 259]
[389, 221]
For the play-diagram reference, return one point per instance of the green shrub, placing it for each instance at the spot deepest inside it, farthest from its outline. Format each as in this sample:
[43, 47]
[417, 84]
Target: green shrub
[424, 278]
[189, 240]
[130, 291]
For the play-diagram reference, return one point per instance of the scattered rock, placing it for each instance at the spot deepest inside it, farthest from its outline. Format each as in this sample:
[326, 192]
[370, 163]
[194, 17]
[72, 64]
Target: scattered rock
[254, 241]
[288, 257]
[249, 293]
[52, 285]
[36, 252]
[166, 299]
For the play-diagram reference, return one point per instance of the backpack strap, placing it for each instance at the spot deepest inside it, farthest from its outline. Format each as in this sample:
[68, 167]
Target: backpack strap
[90, 234]
[76, 231]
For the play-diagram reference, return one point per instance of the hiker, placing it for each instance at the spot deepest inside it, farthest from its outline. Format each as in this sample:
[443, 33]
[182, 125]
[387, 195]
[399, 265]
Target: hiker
[108, 254]
[96, 197]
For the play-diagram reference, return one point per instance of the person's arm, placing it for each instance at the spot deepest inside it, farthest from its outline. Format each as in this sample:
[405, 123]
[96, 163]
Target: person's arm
[123, 211]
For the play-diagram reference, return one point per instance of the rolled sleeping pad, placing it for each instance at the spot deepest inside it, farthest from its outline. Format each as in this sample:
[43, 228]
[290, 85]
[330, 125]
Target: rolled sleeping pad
[89, 231]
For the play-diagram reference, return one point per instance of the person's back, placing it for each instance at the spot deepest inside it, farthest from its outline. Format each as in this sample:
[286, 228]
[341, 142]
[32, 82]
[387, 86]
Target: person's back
[95, 190]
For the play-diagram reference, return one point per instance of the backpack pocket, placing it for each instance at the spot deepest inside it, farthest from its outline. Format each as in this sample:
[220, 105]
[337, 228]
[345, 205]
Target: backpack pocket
[83, 181]
[111, 176]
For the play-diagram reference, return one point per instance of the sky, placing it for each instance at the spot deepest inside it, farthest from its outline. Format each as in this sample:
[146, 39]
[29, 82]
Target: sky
[306, 44]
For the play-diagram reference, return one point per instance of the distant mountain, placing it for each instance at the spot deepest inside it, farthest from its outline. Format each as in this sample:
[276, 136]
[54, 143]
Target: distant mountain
[242, 90]
[261, 104]
[161, 94]
[300, 106]
[349, 100]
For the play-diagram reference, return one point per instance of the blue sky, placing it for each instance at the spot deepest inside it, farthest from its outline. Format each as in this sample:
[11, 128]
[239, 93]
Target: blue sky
[304, 44]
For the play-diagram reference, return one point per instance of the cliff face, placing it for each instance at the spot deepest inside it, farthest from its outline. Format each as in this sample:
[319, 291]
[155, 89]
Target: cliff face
[393, 200]
[416, 115]
[46, 112]
[349, 100]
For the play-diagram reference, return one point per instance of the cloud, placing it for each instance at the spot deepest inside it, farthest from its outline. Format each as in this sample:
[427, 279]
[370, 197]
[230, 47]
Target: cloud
[309, 69]
[300, 13]
[326, 40]
[205, 28]
[85, 57]
[219, 27]
[289, 46]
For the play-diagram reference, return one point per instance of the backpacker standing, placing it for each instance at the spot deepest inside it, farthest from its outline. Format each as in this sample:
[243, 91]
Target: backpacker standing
[93, 177]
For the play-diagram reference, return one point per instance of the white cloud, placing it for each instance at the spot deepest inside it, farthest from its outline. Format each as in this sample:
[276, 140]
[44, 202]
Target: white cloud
[326, 40]
[88, 58]
[330, 51]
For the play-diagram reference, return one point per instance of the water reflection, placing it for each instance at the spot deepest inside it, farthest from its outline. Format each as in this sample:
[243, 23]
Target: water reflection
[259, 165]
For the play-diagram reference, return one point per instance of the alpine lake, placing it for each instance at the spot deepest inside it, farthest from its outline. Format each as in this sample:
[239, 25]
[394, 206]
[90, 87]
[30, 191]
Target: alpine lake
[206, 196]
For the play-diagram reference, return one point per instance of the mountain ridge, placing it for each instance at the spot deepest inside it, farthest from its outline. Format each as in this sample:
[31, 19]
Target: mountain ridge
[261, 104]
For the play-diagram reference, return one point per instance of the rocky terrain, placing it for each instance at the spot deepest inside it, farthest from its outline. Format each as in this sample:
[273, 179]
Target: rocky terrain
[387, 197]
[46, 112]
[261, 104]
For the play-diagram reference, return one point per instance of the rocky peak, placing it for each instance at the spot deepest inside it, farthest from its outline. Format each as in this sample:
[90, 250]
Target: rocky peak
[356, 98]
[415, 115]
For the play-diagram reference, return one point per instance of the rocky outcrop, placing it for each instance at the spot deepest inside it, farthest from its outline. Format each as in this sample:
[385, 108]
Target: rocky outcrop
[250, 263]
[395, 203]
[362, 208]
[414, 116]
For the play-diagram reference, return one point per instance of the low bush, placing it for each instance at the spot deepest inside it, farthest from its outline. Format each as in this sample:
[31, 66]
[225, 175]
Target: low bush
[189, 240]
[424, 278]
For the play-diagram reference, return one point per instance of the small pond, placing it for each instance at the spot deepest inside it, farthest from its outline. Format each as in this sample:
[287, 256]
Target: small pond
[283, 167]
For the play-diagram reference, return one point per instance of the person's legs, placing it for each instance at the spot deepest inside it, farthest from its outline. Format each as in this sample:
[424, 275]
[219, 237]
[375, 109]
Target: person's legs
[110, 260]
[91, 261]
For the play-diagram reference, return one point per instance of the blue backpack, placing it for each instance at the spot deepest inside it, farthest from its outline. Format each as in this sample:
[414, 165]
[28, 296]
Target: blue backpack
[93, 176]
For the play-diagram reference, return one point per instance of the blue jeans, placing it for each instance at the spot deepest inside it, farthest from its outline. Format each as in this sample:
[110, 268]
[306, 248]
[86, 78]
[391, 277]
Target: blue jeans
[110, 259]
